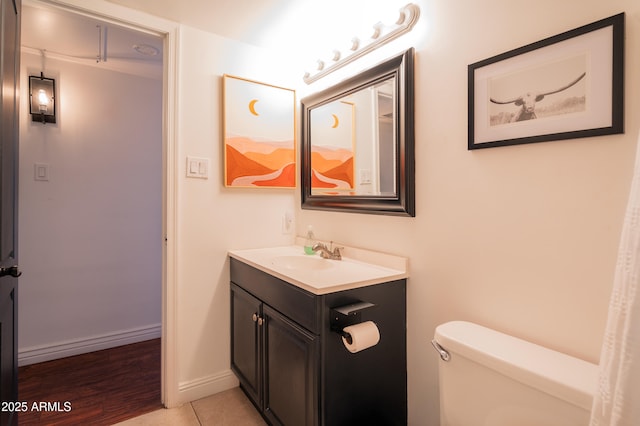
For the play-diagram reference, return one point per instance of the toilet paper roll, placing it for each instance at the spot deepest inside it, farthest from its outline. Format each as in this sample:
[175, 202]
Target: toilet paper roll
[363, 335]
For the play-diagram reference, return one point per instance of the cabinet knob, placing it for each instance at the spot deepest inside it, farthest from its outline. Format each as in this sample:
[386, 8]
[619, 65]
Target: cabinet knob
[257, 319]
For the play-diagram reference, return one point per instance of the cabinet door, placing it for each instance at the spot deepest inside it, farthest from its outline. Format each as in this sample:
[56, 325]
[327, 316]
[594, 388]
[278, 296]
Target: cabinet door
[291, 360]
[246, 362]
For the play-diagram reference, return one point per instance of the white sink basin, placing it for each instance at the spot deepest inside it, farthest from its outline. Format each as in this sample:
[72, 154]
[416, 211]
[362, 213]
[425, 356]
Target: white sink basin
[357, 268]
[303, 262]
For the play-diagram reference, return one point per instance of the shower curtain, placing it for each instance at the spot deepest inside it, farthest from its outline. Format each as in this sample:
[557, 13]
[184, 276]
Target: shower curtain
[616, 401]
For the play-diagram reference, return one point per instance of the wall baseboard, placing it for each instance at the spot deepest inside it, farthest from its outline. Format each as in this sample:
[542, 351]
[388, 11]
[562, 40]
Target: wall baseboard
[193, 390]
[67, 348]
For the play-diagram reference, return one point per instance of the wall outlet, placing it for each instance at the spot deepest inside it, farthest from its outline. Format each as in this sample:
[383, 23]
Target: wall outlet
[365, 176]
[287, 223]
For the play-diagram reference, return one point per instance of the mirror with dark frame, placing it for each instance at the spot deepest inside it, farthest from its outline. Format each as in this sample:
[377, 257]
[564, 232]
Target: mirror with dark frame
[357, 147]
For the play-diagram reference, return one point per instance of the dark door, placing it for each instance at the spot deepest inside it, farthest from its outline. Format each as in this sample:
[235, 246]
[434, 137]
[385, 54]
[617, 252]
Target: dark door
[290, 371]
[9, 74]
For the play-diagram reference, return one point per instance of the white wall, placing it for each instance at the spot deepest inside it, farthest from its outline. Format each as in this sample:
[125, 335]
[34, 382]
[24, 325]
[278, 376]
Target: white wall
[211, 218]
[90, 237]
[522, 239]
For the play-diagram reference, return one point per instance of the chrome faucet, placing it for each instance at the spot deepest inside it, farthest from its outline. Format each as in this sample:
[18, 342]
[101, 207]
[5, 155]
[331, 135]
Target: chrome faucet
[328, 253]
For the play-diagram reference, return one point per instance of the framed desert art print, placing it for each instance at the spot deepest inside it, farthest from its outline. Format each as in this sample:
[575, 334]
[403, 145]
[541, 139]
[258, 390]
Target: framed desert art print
[567, 86]
[259, 134]
[332, 163]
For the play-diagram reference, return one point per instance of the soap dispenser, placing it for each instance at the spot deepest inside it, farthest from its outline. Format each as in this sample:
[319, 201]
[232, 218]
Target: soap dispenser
[309, 241]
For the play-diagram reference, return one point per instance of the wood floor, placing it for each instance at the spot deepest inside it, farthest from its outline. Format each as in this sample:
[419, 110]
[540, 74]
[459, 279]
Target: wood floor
[99, 388]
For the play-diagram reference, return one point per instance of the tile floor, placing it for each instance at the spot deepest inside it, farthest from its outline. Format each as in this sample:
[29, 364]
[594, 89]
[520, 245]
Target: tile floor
[228, 408]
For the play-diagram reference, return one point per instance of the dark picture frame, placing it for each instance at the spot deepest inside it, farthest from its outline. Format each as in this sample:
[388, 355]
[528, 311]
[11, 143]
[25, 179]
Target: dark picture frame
[400, 70]
[564, 87]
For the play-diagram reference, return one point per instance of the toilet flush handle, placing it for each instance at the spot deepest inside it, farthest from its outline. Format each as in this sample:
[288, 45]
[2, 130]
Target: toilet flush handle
[444, 355]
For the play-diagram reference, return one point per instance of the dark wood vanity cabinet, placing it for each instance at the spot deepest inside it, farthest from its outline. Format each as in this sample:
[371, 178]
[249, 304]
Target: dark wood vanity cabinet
[296, 370]
[275, 360]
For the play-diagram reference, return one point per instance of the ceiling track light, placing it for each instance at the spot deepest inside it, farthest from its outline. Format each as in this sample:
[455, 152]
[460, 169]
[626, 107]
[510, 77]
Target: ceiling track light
[102, 44]
[381, 35]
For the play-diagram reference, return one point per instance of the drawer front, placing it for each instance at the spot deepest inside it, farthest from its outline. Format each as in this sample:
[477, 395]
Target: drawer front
[291, 301]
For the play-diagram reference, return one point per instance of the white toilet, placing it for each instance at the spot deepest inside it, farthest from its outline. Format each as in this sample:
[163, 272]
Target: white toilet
[488, 378]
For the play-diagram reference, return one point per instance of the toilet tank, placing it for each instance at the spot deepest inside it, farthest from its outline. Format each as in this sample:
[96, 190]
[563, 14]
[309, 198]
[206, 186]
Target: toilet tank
[493, 379]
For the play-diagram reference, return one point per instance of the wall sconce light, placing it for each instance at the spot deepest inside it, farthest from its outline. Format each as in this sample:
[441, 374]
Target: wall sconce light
[42, 93]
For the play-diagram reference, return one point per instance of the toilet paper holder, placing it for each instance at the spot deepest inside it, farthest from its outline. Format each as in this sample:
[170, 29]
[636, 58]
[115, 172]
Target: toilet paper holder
[344, 316]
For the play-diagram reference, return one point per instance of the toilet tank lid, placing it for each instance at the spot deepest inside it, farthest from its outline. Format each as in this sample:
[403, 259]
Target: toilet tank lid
[558, 374]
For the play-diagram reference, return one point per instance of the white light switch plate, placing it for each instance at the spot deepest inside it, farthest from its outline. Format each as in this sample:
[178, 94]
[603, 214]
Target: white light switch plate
[198, 167]
[41, 171]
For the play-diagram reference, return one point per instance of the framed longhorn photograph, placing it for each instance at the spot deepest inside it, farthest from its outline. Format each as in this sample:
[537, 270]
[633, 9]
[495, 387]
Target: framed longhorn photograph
[564, 87]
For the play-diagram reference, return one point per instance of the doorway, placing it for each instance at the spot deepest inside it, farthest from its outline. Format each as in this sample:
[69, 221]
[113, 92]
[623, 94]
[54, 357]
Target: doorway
[50, 137]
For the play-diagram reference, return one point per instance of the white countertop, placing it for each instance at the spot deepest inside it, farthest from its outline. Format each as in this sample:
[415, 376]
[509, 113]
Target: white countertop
[358, 267]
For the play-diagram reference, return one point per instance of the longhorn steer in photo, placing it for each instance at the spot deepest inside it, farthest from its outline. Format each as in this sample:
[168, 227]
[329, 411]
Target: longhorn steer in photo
[527, 102]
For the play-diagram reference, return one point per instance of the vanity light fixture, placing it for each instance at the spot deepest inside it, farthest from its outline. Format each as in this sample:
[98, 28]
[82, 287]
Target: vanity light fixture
[42, 94]
[382, 34]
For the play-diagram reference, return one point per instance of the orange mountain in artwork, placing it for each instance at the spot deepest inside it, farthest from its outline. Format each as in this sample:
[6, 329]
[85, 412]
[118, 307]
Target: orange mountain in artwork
[284, 179]
[324, 158]
[258, 163]
[239, 165]
[332, 168]
[244, 145]
[318, 181]
[273, 160]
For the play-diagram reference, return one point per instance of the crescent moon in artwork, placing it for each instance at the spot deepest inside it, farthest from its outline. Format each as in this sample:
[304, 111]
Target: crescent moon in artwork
[336, 122]
[252, 107]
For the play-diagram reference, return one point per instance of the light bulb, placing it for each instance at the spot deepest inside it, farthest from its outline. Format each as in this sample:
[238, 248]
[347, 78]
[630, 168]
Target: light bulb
[43, 99]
